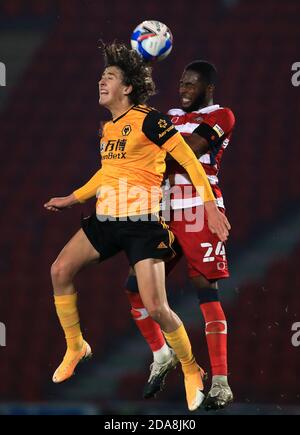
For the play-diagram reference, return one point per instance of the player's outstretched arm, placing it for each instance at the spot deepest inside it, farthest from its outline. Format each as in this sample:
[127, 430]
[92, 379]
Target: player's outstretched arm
[82, 194]
[57, 204]
[90, 189]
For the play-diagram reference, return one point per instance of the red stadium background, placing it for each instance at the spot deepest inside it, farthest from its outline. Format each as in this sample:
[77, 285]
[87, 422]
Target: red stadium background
[49, 120]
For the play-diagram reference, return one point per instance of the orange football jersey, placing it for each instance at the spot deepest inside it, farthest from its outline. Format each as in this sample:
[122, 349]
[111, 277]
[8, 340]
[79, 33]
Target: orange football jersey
[133, 150]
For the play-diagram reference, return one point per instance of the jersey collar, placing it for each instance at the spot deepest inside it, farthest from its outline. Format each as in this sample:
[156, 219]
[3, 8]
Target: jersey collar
[121, 116]
[208, 109]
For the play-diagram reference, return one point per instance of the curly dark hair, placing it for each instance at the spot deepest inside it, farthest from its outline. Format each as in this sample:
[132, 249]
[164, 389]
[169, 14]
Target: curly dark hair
[135, 71]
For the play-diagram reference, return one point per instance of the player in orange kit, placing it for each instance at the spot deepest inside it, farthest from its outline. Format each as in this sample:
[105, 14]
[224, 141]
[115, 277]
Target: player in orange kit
[133, 151]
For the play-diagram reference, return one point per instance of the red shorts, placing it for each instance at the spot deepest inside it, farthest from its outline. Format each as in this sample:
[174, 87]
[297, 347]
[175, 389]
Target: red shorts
[204, 252]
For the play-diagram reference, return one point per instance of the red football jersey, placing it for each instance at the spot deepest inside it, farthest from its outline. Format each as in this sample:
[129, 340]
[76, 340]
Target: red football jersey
[217, 124]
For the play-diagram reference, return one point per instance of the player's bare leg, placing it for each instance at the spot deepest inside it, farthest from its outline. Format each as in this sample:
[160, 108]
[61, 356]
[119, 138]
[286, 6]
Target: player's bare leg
[75, 255]
[220, 394]
[151, 281]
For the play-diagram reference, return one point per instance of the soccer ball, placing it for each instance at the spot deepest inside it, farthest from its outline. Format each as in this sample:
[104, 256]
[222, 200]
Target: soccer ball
[153, 40]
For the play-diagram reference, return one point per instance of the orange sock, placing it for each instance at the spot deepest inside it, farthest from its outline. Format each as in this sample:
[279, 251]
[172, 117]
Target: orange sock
[66, 308]
[181, 345]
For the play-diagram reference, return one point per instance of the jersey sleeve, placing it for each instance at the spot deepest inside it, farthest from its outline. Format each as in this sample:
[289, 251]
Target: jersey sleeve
[182, 153]
[216, 126]
[89, 190]
[158, 127]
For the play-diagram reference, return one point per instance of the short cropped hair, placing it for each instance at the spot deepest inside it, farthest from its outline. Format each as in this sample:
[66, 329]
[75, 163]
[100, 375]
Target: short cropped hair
[207, 70]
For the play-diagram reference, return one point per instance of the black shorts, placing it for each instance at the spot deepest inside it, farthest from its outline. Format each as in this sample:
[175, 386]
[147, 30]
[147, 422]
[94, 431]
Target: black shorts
[140, 239]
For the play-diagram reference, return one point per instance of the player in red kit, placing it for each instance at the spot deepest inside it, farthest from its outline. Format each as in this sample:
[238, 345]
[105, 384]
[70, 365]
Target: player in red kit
[207, 128]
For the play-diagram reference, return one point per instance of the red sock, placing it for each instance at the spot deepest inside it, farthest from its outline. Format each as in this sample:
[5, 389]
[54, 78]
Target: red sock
[148, 327]
[216, 336]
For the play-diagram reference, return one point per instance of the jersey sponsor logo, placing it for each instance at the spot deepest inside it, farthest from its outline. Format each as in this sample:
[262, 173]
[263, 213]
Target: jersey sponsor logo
[114, 149]
[126, 130]
[162, 123]
[218, 130]
[114, 156]
[166, 131]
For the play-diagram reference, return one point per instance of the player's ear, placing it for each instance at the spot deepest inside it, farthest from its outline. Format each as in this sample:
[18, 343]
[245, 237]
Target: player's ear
[211, 88]
[128, 90]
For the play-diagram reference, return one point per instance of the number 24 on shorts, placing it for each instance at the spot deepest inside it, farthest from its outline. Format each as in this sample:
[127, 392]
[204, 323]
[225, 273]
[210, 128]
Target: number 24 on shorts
[220, 250]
